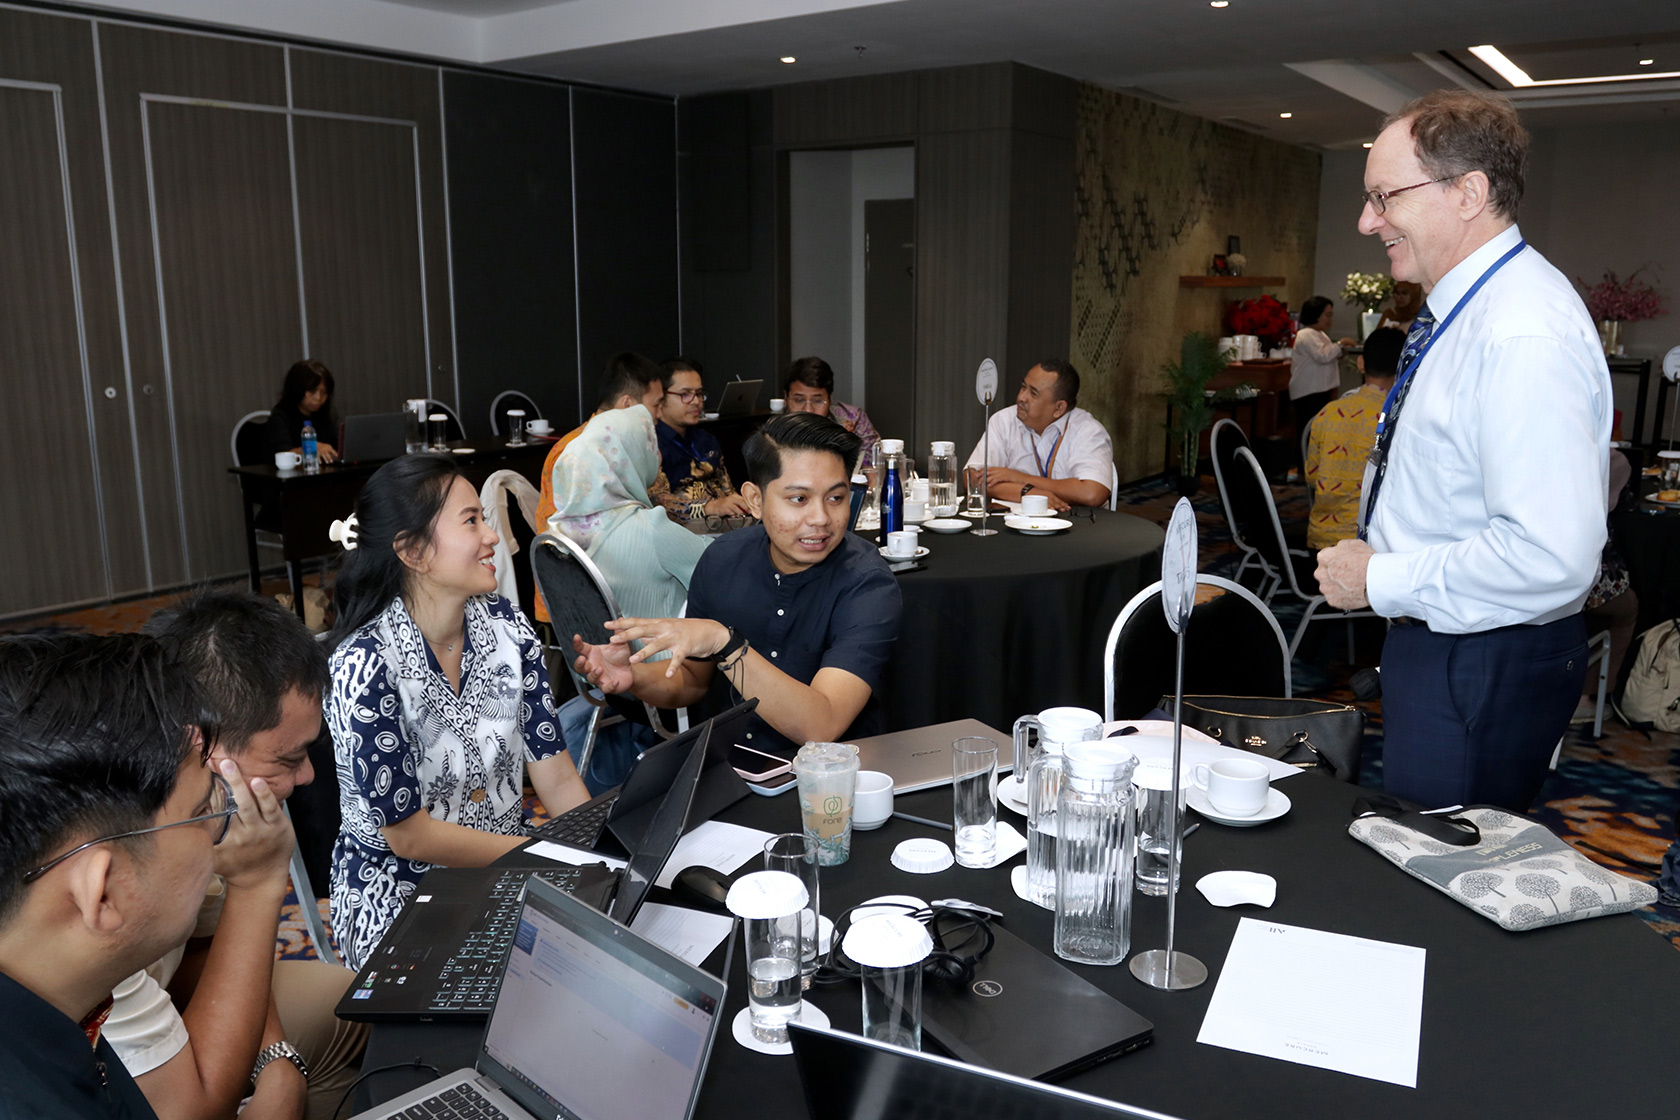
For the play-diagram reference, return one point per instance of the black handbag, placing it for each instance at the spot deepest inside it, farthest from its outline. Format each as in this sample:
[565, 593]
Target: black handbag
[1303, 733]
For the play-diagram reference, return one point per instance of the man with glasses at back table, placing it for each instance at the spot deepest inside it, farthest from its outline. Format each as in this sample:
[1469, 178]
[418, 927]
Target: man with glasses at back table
[108, 820]
[690, 456]
[1484, 502]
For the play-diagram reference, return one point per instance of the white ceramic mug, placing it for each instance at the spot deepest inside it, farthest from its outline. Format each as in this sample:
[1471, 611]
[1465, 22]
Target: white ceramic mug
[901, 543]
[538, 427]
[915, 510]
[778, 404]
[287, 460]
[1036, 505]
[872, 804]
[1236, 787]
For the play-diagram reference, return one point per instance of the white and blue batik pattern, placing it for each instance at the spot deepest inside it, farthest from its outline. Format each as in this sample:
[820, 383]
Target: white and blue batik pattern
[404, 742]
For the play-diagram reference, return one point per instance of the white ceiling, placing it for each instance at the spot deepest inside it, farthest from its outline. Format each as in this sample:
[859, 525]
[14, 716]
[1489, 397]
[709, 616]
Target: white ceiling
[1335, 65]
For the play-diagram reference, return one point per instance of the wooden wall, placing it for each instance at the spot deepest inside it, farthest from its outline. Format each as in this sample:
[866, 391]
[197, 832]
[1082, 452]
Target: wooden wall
[196, 211]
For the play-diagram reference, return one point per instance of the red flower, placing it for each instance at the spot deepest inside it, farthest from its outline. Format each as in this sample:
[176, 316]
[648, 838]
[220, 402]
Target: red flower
[1264, 317]
[1628, 301]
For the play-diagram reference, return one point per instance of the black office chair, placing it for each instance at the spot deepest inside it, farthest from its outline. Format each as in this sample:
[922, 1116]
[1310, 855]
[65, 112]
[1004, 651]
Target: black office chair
[580, 602]
[509, 399]
[247, 443]
[1234, 647]
[453, 429]
[315, 824]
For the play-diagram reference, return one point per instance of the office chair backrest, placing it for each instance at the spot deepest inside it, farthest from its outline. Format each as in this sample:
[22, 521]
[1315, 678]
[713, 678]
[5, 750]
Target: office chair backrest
[247, 444]
[1233, 647]
[579, 600]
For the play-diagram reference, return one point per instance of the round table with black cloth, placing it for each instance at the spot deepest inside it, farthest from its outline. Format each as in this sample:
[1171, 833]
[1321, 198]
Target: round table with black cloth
[996, 627]
[1648, 536]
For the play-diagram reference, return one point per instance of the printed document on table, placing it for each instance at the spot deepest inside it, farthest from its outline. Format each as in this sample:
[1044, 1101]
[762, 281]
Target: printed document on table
[720, 846]
[689, 934]
[577, 857]
[1320, 999]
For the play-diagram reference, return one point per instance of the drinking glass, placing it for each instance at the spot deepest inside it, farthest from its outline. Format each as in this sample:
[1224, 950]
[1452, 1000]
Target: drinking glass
[1154, 825]
[516, 427]
[974, 799]
[770, 904]
[796, 854]
[827, 774]
[438, 425]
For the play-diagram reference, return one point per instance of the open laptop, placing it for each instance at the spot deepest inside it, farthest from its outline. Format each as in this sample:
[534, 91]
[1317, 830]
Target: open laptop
[442, 958]
[739, 398]
[371, 438]
[921, 757]
[591, 1021]
[1027, 1015]
[847, 1077]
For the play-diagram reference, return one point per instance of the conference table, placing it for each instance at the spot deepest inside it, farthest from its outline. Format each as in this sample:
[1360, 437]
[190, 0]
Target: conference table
[996, 626]
[1648, 534]
[302, 507]
[1564, 1021]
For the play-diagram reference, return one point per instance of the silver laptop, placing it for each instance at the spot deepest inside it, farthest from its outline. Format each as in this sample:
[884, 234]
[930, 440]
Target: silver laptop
[591, 1021]
[921, 757]
[739, 398]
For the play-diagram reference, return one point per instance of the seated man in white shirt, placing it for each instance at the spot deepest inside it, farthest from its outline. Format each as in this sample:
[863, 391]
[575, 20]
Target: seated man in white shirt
[1047, 444]
[243, 1018]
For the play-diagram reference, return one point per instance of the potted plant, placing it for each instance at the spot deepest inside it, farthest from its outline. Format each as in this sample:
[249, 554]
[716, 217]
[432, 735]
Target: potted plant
[1199, 361]
[1613, 301]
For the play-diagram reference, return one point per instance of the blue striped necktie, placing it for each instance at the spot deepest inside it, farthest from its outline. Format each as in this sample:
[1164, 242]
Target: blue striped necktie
[1422, 327]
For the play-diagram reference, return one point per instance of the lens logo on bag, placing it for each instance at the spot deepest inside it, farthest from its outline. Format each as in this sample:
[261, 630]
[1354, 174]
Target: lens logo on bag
[987, 988]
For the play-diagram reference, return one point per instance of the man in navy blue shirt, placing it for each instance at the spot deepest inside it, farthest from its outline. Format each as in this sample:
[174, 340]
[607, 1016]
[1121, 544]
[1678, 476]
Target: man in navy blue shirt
[689, 456]
[795, 612]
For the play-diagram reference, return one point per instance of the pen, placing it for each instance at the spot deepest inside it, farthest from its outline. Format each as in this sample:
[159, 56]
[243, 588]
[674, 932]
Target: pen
[922, 820]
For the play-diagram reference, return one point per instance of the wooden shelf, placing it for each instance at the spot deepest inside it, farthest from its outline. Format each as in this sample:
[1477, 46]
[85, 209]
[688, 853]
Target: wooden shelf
[1231, 281]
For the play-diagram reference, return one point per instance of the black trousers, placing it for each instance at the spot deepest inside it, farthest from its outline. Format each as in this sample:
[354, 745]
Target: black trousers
[1473, 719]
[1304, 409]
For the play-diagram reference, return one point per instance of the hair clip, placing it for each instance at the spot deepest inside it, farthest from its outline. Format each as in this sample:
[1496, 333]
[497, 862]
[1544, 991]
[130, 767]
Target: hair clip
[344, 532]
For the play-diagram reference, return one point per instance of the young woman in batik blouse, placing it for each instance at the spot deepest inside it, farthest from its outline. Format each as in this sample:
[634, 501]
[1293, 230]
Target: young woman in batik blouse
[440, 699]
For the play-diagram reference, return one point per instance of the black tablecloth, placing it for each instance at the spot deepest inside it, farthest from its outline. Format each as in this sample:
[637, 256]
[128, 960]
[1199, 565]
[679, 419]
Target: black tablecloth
[1649, 538]
[999, 626]
[1566, 1021]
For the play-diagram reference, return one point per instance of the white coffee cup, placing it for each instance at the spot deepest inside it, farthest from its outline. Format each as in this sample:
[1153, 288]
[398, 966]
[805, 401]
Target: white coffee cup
[287, 460]
[915, 510]
[1036, 505]
[901, 544]
[1234, 786]
[538, 427]
[872, 804]
[778, 404]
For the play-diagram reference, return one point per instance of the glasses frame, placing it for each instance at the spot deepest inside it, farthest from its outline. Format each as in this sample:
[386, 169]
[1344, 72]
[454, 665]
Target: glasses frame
[687, 396]
[1378, 200]
[225, 815]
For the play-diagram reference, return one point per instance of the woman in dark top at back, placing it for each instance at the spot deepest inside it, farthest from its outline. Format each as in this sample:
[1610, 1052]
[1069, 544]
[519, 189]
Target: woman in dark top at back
[306, 395]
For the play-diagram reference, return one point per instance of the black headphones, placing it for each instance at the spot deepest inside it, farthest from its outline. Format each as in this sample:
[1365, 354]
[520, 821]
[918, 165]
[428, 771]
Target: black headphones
[962, 936]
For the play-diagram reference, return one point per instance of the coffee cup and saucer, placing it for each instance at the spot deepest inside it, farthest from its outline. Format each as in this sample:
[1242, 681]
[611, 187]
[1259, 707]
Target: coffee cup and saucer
[1235, 792]
[902, 546]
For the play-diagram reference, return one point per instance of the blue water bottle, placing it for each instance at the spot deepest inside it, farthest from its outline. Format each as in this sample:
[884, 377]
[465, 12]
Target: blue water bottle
[892, 490]
[311, 455]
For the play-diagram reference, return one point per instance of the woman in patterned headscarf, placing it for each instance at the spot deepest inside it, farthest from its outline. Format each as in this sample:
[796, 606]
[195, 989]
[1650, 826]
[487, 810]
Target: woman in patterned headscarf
[440, 699]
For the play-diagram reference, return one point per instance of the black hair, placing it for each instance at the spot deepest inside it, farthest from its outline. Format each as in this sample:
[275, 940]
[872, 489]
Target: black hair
[812, 371]
[1067, 380]
[396, 510]
[1312, 309]
[680, 363]
[1382, 351]
[246, 652]
[93, 731]
[628, 374]
[301, 380]
[796, 431]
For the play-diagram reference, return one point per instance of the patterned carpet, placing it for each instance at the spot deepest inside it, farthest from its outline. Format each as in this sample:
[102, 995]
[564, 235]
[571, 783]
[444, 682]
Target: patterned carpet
[1614, 799]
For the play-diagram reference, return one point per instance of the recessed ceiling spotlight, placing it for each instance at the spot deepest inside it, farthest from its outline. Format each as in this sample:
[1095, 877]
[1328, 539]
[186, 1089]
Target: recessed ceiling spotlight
[1646, 61]
[1367, 144]
[1219, 3]
[789, 59]
[1286, 116]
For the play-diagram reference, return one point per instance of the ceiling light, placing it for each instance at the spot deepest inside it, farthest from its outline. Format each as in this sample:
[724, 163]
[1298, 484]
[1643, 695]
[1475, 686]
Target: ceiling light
[1286, 116]
[1519, 78]
[1646, 61]
[789, 59]
[1219, 3]
[1502, 66]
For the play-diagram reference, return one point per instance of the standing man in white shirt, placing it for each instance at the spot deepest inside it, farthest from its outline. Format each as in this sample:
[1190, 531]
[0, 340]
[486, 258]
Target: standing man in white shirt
[1485, 498]
[1048, 444]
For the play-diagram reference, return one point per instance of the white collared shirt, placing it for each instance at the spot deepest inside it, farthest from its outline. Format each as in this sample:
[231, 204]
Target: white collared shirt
[1493, 508]
[1086, 451]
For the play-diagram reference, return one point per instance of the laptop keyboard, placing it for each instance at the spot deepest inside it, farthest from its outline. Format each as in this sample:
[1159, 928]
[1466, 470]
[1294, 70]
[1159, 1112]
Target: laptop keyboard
[460, 1102]
[468, 983]
[580, 827]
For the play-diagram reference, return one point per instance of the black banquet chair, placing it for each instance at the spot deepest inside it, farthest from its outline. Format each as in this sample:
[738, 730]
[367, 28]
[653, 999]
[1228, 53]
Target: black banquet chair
[510, 399]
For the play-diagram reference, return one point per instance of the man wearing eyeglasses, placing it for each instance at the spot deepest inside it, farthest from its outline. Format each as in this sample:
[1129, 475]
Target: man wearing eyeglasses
[689, 456]
[1484, 502]
[109, 819]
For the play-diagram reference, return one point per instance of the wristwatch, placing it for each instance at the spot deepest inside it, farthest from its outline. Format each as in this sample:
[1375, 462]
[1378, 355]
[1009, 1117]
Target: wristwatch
[728, 650]
[281, 1049]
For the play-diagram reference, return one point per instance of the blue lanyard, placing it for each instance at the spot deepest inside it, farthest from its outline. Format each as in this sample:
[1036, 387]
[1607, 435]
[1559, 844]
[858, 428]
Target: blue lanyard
[1394, 394]
[1043, 470]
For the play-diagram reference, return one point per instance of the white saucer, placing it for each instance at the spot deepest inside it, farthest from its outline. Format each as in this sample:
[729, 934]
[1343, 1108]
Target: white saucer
[1037, 526]
[741, 1028]
[463, 450]
[1012, 794]
[946, 525]
[708, 416]
[1276, 806]
[921, 551]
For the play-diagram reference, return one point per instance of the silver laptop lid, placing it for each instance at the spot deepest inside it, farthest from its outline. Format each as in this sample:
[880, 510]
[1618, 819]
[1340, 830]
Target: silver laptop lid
[921, 757]
[595, 1023]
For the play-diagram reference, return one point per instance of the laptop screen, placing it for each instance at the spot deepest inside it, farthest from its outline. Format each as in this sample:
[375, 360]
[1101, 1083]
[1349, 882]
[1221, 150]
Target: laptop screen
[592, 1022]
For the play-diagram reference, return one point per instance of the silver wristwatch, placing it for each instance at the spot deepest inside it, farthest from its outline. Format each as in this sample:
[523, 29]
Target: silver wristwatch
[281, 1049]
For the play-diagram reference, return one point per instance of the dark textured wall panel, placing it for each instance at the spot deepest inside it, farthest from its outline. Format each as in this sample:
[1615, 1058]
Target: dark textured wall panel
[846, 111]
[510, 207]
[625, 148]
[1041, 226]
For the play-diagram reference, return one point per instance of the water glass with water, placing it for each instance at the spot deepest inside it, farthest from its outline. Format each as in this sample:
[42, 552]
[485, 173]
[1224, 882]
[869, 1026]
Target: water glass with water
[771, 905]
[516, 427]
[974, 799]
[1155, 819]
[796, 854]
[438, 423]
[942, 479]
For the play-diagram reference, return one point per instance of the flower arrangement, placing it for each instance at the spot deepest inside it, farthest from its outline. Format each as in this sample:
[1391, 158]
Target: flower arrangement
[1623, 301]
[1264, 317]
[1367, 290]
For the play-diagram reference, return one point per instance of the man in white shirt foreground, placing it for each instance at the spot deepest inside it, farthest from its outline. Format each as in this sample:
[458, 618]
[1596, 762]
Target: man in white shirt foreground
[1485, 500]
[1047, 444]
